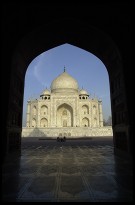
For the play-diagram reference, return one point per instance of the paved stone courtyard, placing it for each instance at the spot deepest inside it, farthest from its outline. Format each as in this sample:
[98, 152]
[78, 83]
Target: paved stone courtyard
[71, 171]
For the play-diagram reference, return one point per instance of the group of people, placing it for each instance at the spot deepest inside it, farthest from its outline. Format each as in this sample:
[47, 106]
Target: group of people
[61, 139]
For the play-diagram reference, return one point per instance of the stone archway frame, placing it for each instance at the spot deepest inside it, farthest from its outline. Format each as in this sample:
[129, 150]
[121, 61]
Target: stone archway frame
[54, 34]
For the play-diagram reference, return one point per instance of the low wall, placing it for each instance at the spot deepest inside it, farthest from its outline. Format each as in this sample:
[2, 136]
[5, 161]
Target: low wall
[67, 132]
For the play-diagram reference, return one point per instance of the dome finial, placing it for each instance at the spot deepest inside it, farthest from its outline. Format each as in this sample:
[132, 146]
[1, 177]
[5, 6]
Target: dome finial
[64, 69]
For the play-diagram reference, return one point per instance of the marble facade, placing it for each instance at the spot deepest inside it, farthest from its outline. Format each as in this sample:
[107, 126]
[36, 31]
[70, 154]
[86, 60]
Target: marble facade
[65, 110]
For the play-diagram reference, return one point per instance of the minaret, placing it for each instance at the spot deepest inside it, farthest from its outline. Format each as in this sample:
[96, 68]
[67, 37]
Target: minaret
[28, 115]
[64, 69]
[100, 113]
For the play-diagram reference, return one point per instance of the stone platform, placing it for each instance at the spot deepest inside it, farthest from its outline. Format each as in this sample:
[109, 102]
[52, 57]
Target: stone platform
[71, 171]
[69, 132]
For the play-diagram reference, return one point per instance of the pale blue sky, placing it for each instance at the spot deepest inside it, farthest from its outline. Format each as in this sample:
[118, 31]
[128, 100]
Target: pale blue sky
[85, 67]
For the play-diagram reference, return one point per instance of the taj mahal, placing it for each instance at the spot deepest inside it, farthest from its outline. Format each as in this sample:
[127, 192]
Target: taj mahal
[65, 110]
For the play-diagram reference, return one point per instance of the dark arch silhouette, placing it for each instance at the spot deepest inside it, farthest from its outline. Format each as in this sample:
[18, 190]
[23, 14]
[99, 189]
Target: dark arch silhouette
[89, 38]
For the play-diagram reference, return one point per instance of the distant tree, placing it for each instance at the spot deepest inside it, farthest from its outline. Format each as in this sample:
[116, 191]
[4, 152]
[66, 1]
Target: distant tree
[104, 122]
[108, 122]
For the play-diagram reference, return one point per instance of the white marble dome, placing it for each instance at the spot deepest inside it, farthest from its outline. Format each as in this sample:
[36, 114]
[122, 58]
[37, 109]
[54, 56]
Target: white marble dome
[64, 82]
[83, 92]
[46, 92]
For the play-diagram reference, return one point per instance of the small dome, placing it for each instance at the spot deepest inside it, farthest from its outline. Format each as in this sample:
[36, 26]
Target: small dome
[45, 92]
[64, 82]
[83, 92]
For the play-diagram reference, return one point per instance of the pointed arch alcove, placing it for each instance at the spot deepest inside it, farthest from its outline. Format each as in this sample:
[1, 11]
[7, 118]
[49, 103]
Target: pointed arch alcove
[64, 116]
[85, 122]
